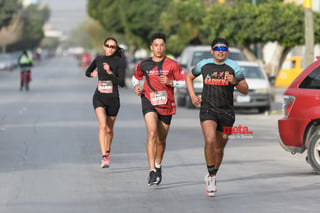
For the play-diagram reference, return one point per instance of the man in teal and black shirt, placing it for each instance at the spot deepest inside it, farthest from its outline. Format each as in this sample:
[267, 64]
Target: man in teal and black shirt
[220, 76]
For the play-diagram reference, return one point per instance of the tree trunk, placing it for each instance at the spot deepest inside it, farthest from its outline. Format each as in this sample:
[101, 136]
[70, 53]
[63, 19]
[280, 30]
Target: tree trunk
[279, 54]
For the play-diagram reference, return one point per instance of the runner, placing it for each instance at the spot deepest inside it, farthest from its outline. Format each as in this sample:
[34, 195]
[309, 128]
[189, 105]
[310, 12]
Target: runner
[161, 75]
[106, 101]
[220, 76]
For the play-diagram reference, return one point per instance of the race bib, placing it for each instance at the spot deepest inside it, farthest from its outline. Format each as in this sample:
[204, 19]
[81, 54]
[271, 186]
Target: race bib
[158, 97]
[105, 86]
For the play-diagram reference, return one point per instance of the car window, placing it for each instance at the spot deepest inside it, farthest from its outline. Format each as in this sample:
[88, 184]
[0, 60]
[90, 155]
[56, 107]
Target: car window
[312, 81]
[200, 55]
[288, 65]
[252, 72]
[237, 56]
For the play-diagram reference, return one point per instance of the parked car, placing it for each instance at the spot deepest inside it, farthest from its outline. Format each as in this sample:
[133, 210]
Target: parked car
[299, 129]
[190, 56]
[260, 94]
[6, 62]
[132, 65]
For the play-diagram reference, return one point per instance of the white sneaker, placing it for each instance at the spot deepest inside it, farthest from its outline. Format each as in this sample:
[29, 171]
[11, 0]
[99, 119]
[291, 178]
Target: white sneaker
[211, 188]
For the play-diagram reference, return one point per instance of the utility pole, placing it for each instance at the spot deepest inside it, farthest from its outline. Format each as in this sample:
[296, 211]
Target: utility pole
[255, 46]
[309, 32]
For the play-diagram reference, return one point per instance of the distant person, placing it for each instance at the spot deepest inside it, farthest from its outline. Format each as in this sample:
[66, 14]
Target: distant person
[25, 63]
[220, 75]
[161, 75]
[85, 60]
[106, 102]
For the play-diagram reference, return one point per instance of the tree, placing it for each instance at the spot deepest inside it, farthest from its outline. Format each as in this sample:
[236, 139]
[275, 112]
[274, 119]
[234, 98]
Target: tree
[246, 24]
[33, 19]
[8, 22]
[137, 20]
[25, 31]
[8, 9]
[182, 22]
[89, 34]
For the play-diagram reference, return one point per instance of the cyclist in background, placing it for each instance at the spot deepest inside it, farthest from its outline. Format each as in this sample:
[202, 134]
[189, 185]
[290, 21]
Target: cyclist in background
[25, 64]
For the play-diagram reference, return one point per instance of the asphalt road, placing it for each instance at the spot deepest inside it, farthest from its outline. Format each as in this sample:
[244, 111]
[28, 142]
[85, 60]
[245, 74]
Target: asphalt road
[50, 157]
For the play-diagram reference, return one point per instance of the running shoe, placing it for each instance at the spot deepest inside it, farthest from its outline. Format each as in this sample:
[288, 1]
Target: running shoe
[108, 158]
[104, 162]
[211, 188]
[158, 175]
[153, 179]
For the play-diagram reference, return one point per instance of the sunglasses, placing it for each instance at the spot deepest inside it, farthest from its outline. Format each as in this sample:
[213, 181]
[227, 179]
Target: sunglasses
[220, 48]
[110, 46]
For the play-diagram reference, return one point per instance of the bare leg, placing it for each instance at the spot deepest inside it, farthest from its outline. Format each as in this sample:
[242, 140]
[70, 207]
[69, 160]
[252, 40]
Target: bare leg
[219, 148]
[209, 132]
[109, 131]
[214, 143]
[163, 130]
[101, 116]
[151, 120]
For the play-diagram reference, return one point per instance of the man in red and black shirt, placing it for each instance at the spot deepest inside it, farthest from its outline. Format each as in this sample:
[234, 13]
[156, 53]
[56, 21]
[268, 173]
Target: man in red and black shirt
[161, 75]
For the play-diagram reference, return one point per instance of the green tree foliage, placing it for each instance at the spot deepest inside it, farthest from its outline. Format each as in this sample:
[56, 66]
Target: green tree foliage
[89, 34]
[247, 24]
[32, 19]
[316, 26]
[8, 9]
[136, 19]
[182, 22]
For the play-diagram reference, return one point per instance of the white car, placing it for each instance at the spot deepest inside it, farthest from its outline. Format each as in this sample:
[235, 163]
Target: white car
[260, 94]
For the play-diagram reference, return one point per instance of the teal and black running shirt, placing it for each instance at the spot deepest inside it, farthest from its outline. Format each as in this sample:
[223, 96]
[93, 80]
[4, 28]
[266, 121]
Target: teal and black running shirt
[217, 93]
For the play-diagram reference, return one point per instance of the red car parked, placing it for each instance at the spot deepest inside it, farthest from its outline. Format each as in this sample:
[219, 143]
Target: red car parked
[299, 129]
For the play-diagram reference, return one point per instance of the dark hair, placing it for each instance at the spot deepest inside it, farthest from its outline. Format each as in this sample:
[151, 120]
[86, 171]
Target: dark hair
[158, 36]
[219, 41]
[119, 51]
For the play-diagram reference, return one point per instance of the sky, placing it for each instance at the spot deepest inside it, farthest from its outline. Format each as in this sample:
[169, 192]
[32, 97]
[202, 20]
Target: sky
[66, 14]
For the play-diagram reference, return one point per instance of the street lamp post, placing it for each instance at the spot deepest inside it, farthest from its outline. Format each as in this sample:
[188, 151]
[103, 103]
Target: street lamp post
[309, 33]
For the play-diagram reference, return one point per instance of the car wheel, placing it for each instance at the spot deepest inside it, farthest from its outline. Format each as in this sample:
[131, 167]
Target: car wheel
[264, 109]
[314, 150]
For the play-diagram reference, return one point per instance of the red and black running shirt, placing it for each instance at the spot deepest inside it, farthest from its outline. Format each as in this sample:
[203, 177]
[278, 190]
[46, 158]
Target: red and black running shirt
[152, 71]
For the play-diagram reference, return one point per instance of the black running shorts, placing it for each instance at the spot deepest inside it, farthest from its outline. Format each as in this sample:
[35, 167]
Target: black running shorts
[110, 105]
[147, 107]
[223, 119]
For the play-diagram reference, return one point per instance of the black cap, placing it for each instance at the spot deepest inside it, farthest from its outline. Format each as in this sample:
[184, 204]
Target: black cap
[219, 41]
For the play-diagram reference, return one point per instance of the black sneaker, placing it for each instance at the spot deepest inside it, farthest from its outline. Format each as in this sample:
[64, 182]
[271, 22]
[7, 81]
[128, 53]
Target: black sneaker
[158, 175]
[152, 178]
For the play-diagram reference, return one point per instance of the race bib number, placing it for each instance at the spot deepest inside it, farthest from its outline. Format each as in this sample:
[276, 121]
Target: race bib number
[105, 86]
[158, 97]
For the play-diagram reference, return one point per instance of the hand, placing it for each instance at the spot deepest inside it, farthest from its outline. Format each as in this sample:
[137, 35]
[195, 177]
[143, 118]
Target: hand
[231, 79]
[94, 74]
[106, 67]
[165, 80]
[137, 90]
[196, 100]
